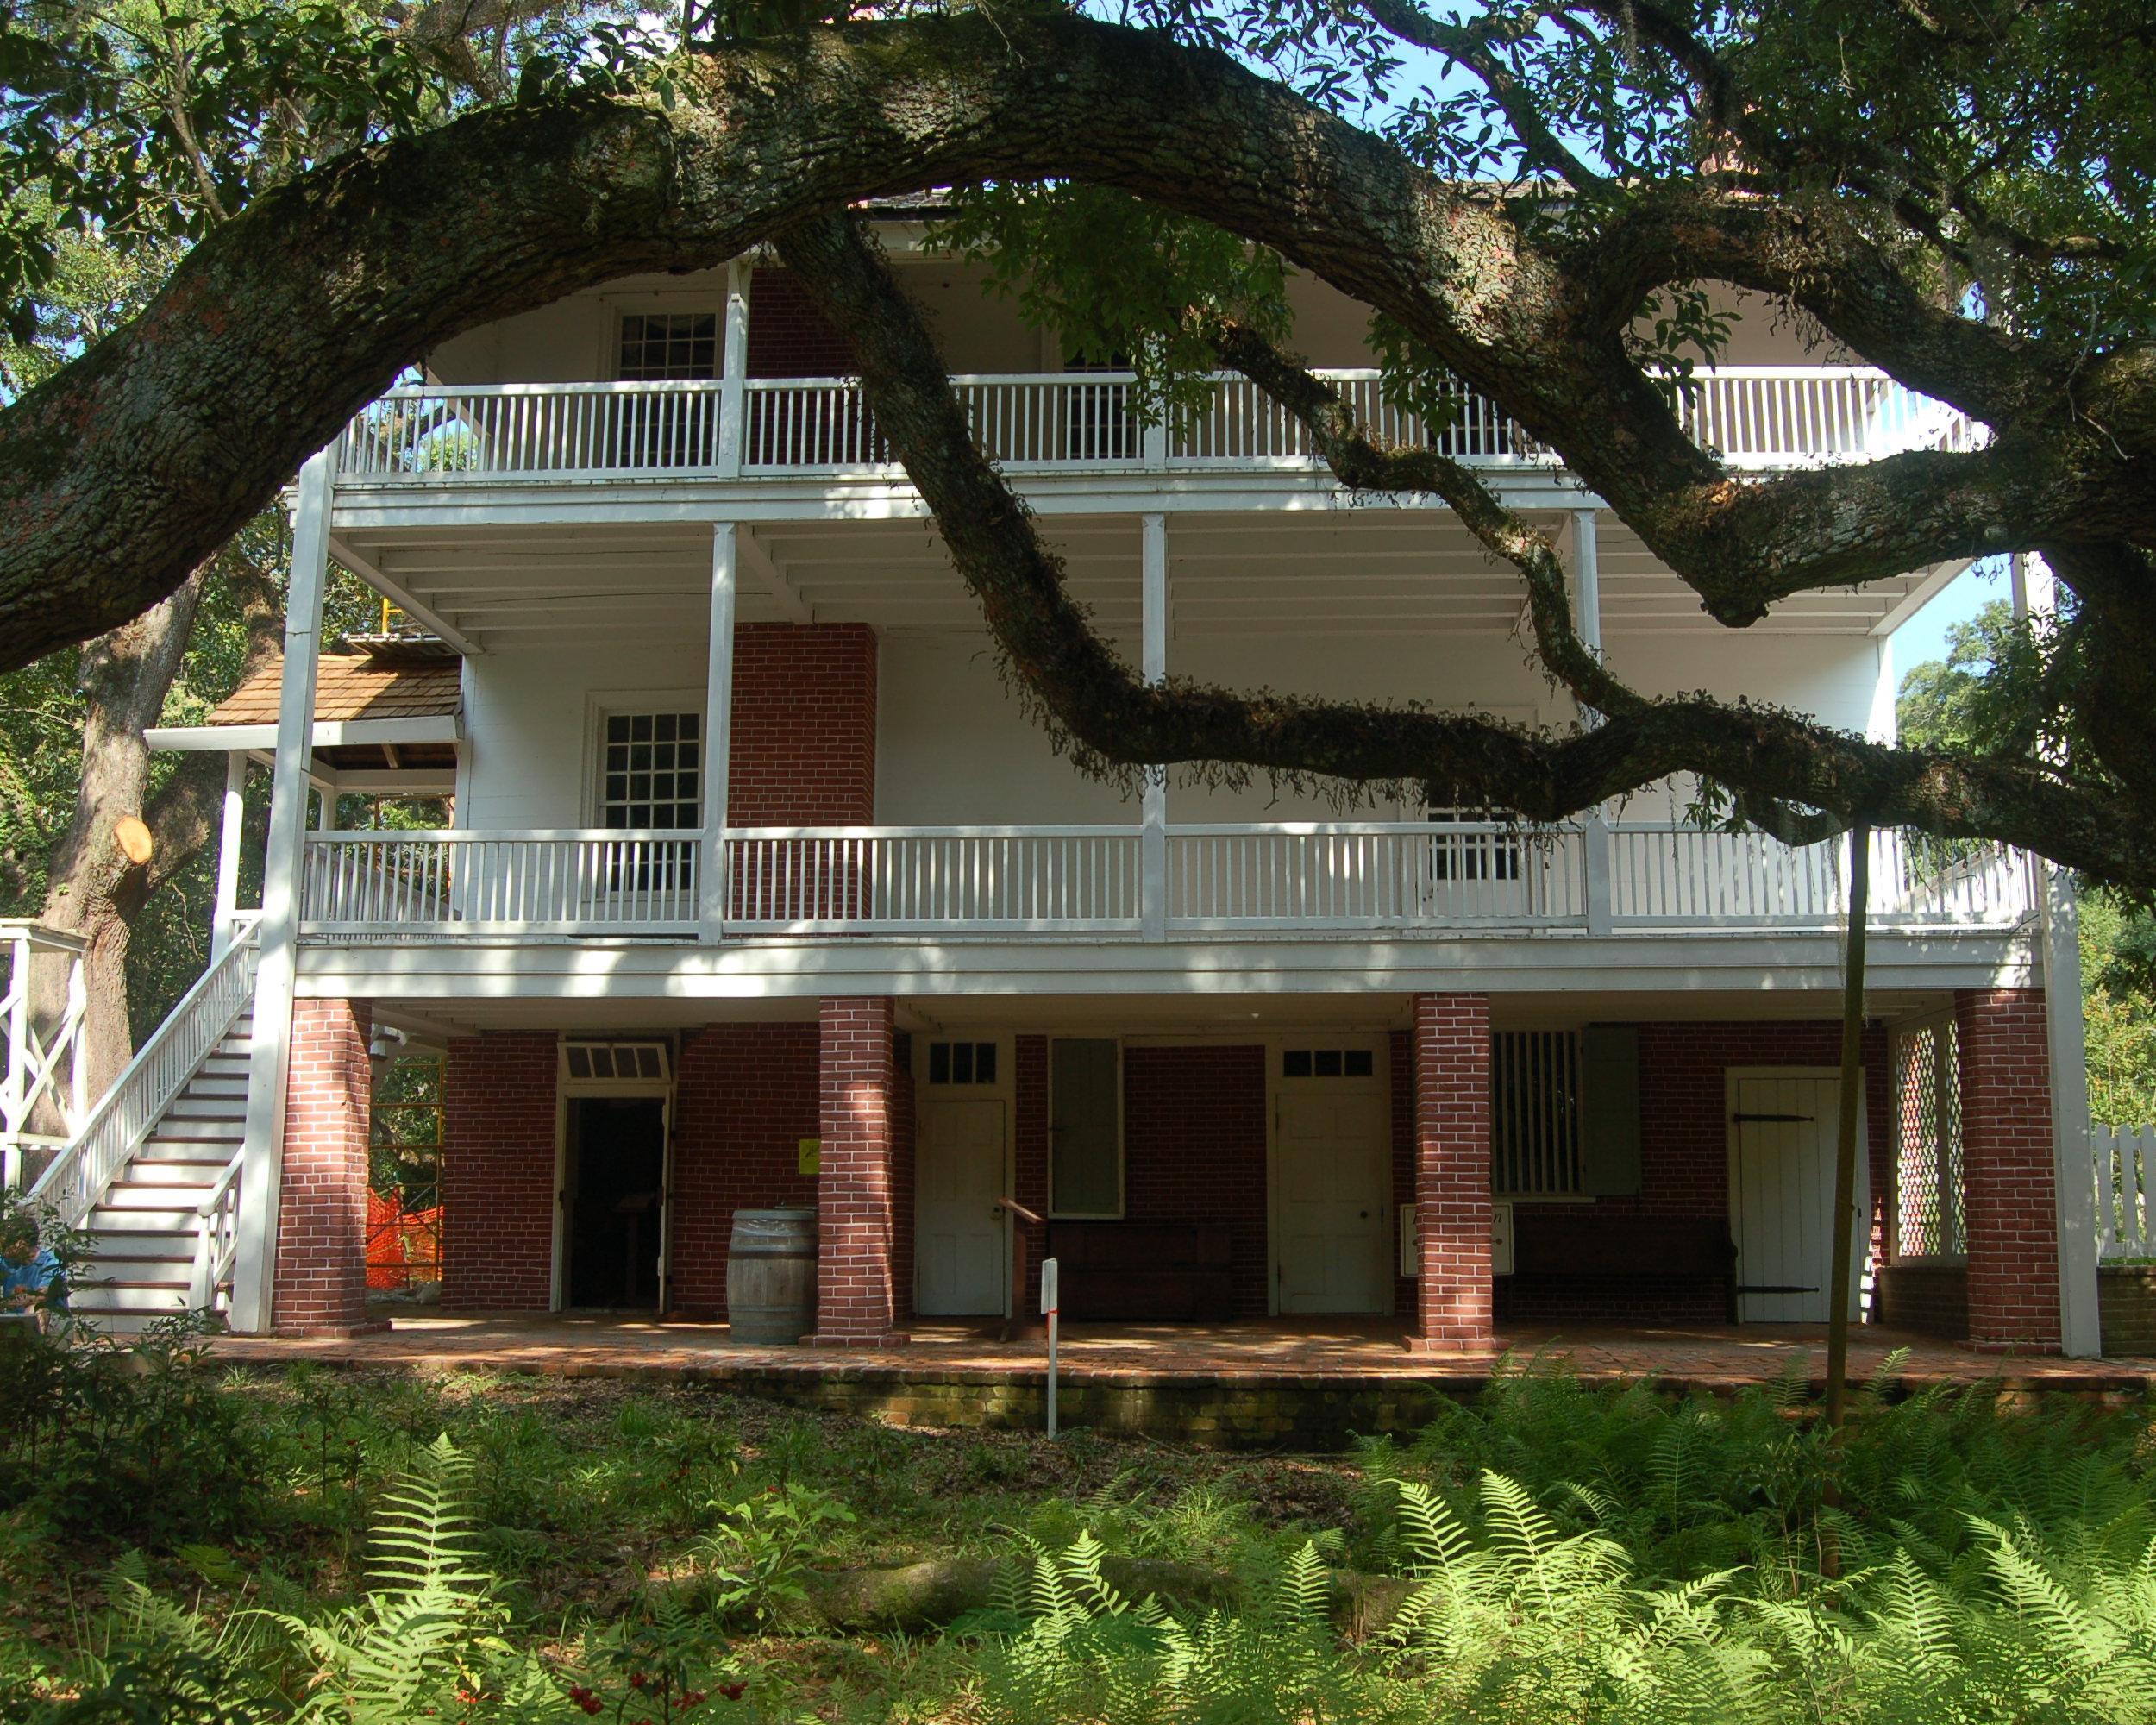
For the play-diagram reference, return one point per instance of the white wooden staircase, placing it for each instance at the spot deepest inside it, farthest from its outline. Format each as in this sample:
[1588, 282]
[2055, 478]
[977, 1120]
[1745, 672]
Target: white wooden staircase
[146, 1230]
[152, 1176]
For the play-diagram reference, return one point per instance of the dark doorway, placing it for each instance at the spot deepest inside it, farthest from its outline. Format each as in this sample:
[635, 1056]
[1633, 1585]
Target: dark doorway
[617, 1171]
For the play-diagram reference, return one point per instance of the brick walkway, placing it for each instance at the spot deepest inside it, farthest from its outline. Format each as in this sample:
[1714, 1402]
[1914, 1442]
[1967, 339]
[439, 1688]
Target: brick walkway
[1316, 1355]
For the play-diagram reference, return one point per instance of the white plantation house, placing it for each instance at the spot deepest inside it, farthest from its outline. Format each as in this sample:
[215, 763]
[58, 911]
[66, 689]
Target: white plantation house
[759, 888]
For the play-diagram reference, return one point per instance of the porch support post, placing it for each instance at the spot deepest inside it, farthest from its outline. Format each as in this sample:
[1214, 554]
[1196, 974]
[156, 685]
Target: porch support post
[284, 858]
[321, 1274]
[1453, 1293]
[1153, 663]
[856, 1181]
[718, 730]
[228, 834]
[733, 384]
[1586, 618]
[2073, 1173]
[2010, 1208]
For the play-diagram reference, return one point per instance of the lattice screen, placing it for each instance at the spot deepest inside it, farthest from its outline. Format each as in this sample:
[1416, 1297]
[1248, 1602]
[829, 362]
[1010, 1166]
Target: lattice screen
[1927, 1186]
[1534, 1113]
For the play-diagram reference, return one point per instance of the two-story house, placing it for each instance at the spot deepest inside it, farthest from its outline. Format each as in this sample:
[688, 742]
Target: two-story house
[761, 889]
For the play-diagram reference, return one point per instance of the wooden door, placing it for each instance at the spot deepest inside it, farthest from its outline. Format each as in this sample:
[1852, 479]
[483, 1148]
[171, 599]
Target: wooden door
[961, 1249]
[1332, 1165]
[1781, 1194]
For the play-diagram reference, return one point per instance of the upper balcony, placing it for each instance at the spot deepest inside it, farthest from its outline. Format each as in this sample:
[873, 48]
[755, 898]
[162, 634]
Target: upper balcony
[453, 439]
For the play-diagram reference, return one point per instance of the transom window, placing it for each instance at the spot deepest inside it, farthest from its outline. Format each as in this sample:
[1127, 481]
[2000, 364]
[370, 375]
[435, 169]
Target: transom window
[1327, 1063]
[659, 346]
[961, 1062]
[651, 775]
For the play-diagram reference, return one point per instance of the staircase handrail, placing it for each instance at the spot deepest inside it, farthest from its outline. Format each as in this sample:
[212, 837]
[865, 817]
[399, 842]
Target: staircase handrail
[216, 1236]
[126, 1113]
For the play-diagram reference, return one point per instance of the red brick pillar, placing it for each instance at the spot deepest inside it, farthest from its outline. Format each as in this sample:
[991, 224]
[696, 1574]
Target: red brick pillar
[1451, 1171]
[2010, 1216]
[856, 1295]
[320, 1287]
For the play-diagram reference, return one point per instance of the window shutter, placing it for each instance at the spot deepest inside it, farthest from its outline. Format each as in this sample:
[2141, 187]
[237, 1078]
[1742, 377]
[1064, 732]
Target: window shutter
[1609, 1111]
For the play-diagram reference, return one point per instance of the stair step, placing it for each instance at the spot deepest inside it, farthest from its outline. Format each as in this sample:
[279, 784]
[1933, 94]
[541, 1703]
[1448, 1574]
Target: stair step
[171, 1131]
[231, 1086]
[143, 1243]
[186, 1149]
[108, 1219]
[191, 1106]
[162, 1300]
[174, 1170]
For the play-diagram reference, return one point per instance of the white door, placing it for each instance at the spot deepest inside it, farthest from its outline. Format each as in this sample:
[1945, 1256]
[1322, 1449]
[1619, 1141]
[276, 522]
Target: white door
[1782, 1196]
[1332, 1163]
[961, 1255]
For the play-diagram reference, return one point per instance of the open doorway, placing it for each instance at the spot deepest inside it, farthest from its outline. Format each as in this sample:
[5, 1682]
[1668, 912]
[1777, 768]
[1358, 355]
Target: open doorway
[613, 1198]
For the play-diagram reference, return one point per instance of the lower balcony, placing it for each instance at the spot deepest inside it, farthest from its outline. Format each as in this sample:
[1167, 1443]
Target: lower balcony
[1131, 882]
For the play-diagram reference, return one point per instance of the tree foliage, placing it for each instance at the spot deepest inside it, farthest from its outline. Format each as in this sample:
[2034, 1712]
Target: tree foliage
[1539, 196]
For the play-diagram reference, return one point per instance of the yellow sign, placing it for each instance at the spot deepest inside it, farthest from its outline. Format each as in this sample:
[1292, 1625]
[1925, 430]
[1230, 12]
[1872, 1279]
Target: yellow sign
[810, 1151]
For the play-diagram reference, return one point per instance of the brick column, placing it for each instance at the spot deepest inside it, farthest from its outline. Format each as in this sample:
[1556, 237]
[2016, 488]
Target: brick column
[320, 1286]
[857, 1297]
[1451, 1171]
[2008, 1195]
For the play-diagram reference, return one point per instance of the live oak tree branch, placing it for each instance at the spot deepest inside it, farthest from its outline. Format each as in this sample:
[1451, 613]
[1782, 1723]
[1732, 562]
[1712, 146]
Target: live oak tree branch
[1094, 699]
[122, 471]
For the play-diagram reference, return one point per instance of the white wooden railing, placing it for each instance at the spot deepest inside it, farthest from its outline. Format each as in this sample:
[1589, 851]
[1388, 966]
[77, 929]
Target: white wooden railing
[2125, 1159]
[1035, 880]
[43, 1071]
[124, 1115]
[1344, 874]
[216, 1242]
[1044, 880]
[506, 883]
[1759, 417]
[1679, 877]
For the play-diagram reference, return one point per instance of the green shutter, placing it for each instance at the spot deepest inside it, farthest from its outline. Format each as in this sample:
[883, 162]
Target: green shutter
[1609, 1111]
[1084, 1134]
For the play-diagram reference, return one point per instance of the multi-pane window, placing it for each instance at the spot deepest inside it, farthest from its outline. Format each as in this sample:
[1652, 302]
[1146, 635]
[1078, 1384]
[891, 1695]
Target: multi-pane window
[1534, 1113]
[961, 1062]
[651, 773]
[1471, 855]
[1928, 1178]
[1327, 1063]
[669, 346]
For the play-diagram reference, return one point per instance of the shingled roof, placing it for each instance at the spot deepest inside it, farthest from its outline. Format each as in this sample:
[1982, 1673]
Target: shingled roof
[351, 685]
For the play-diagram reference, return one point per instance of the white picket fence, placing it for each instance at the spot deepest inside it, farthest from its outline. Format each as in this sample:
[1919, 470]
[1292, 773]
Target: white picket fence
[2125, 1159]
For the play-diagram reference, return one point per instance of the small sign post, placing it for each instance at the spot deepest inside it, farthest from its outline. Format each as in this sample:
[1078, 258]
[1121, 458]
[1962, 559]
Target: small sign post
[1050, 1300]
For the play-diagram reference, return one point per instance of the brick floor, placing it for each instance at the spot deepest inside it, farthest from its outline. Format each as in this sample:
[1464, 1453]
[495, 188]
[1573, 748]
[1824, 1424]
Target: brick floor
[1311, 1355]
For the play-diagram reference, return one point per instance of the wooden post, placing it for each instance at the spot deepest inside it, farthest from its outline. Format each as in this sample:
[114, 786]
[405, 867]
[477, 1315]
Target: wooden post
[719, 728]
[1153, 662]
[733, 379]
[283, 857]
[1845, 1129]
[228, 834]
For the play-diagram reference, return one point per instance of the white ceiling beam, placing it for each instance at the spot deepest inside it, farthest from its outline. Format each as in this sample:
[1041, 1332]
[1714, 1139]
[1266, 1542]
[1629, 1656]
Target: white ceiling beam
[764, 566]
[401, 596]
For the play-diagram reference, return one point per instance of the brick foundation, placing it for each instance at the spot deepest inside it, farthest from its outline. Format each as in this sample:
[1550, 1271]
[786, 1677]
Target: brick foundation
[1451, 1061]
[2011, 1221]
[857, 1299]
[497, 1172]
[320, 1286]
[745, 1097]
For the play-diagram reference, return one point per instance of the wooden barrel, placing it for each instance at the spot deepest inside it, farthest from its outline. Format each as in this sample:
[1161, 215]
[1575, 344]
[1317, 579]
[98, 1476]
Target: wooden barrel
[771, 1277]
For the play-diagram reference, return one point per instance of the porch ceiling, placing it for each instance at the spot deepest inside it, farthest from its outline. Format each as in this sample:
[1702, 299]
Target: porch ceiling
[1212, 1019]
[1378, 571]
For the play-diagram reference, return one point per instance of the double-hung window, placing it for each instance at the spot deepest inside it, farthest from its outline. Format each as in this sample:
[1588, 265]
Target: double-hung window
[651, 780]
[672, 429]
